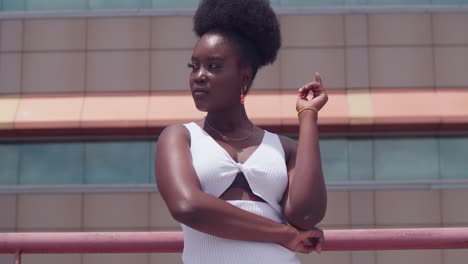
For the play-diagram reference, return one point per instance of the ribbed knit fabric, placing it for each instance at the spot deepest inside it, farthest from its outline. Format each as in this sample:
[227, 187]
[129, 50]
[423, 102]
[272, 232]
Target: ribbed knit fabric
[201, 248]
[266, 173]
[265, 170]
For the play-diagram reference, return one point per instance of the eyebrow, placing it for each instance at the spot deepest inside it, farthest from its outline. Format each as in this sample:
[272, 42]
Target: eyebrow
[210, 58]
[216, 58]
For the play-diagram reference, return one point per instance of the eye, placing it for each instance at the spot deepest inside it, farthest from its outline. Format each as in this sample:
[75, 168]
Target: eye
[214, 66]
[193, 66]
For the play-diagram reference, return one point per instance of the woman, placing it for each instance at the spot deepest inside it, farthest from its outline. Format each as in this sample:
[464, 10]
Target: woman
[242, 194]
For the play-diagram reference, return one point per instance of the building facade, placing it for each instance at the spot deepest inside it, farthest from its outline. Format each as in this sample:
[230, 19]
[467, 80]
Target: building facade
[86, 86]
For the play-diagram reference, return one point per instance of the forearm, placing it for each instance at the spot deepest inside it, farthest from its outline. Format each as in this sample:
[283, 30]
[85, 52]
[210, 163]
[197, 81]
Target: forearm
[216, 217]
[307, 197]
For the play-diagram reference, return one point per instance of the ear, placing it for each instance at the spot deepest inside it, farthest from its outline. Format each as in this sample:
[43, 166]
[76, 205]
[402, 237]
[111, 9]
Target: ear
[246, 76]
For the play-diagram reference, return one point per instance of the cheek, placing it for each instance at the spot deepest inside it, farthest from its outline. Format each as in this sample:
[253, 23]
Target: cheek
[191, 76]
[231, 81]
[229, 86]
[191, 80]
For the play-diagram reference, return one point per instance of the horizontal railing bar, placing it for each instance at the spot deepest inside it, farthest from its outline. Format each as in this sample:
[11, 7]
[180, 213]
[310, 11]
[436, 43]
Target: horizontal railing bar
[151, 187]
[91, 242]
[312, 10]
[397, 239]
[163, 242]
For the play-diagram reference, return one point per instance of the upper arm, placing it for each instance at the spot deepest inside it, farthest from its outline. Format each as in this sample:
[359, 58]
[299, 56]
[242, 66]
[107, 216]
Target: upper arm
[175, 175]
[290, 151]
[306, 206]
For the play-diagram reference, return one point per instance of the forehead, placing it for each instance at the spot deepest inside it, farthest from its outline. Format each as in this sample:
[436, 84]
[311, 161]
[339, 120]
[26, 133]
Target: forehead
[214, 45]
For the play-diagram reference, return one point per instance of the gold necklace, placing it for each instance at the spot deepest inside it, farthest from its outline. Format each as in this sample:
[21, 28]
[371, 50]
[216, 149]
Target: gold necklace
[226, 138]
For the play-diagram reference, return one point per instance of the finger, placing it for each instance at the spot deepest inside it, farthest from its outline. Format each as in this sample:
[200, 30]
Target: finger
[318, 245]
[301, 92]
[304, 91]
[313, 85]
[306, 250]
[314, 242]
[318, 248]
[318, 78]
[310, 87]
[309, 242]
[314, 233]
[315, 88]
[321, 241]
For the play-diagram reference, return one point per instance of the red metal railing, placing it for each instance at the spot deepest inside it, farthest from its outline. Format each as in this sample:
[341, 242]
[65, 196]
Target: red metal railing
[160, 242]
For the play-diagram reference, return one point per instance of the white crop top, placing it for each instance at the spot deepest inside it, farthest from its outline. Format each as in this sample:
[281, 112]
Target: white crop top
[265, 170]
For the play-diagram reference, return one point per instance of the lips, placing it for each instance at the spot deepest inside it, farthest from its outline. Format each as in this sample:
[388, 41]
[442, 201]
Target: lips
[199, 91]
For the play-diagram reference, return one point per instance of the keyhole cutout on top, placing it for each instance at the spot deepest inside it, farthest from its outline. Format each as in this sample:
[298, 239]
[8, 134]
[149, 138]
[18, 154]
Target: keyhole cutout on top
[240, 190]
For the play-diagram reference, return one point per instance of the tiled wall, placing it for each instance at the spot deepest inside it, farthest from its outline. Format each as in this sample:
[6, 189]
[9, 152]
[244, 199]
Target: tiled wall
[133, 4]
[131, 162]
[140, 54]
[77, 163]
[127, 54]
[144, 212]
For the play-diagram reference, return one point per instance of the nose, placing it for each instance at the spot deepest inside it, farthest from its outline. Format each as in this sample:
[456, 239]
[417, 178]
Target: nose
[200, 75]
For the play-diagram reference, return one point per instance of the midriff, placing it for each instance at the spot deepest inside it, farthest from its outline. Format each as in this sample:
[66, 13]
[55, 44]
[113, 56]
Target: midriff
[240, 194]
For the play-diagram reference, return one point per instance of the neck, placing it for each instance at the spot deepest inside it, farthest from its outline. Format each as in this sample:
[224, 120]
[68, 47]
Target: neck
[229, 120]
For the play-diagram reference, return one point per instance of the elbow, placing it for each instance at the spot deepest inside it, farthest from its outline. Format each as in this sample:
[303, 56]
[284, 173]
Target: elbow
[184, 211]
[304, 221]
[317, 215]
[315, 218]
[184, 206]
[305, 218]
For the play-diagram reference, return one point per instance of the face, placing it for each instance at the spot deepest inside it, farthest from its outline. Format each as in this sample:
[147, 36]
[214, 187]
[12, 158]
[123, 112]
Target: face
[216, 78]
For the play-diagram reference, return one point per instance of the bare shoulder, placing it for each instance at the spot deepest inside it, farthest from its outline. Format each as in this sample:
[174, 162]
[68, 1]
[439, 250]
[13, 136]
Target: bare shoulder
[172, 142]
[289, 146]
[174, 133]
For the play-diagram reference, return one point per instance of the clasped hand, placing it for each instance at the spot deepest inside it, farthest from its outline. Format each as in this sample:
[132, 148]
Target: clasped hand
[306, 241]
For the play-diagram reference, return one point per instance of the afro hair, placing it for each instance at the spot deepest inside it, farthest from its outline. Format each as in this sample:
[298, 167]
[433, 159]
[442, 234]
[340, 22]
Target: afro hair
[253, 20]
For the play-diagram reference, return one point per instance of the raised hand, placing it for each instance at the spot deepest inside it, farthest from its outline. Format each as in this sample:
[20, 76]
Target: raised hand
[319, 96]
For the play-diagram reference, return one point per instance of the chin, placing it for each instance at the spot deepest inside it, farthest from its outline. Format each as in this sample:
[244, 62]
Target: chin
[201, 106]
[204, 105]
[202, 109]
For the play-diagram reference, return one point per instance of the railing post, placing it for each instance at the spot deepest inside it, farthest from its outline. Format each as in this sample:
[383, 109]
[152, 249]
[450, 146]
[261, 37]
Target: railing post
[18, 257]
